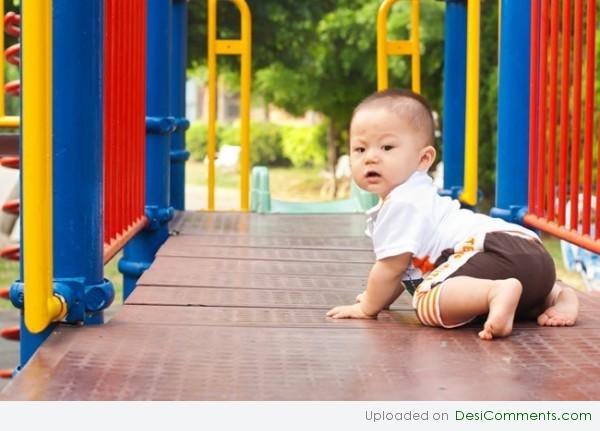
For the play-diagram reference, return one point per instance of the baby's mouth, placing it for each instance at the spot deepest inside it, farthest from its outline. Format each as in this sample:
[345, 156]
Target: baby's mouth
[373, 177]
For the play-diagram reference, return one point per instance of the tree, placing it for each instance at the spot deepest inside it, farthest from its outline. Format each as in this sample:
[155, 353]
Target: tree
[321, 55]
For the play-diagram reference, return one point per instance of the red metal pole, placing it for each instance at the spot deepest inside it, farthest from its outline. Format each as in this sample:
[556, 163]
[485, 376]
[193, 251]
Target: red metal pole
[533, 97]
[542, 103]
[564, 110]
[552, 120]
[589, 114]
[576, 116]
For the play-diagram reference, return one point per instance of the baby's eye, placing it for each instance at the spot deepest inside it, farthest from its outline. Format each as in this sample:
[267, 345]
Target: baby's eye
[387, 147]
[359, 150]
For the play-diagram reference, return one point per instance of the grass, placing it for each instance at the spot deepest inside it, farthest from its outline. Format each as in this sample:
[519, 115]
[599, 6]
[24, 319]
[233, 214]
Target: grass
[290, 184]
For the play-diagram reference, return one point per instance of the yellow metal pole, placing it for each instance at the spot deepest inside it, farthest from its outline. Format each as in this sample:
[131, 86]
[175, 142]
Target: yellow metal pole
[386, 48]
[382, 37]
[246, 54]
[416, 46]
[469, 195]
[41, 306]
[212, 100]
[243, 48]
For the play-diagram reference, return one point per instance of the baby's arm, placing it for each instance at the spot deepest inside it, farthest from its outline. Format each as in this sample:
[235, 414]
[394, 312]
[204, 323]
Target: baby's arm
[383, 287]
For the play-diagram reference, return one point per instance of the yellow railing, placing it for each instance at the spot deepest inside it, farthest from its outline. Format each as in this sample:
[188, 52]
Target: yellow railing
[41, 305]
[6, 122]
[243, 48]
[469, 194]
[387, 48]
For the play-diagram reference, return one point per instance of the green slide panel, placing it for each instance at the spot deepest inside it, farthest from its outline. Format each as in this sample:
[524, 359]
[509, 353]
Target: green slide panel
[261, 202]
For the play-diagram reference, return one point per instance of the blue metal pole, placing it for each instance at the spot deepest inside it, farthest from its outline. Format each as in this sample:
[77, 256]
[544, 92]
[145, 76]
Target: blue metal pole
[179, 155]
[77, 166]
[513, 112]
[140, 252]
[455, 73]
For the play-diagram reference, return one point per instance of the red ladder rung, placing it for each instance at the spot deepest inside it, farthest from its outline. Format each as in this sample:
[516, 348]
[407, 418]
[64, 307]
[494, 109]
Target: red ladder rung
[12, 252]
[13, 333]
[10, 162]
[12, 207]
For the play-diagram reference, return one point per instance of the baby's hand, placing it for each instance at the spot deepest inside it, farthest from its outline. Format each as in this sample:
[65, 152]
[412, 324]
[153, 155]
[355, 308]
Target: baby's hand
[349, 312]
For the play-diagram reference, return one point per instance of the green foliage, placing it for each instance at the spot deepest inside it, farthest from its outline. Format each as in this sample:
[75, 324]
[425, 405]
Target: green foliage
[305, 146]
[197, 140]
[271, 144]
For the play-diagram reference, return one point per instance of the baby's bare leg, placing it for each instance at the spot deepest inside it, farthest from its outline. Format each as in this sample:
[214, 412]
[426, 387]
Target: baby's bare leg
[561, 307]
[466, 297]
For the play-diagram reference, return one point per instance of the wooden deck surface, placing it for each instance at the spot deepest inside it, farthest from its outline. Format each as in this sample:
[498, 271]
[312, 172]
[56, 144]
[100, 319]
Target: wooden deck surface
[233, 308]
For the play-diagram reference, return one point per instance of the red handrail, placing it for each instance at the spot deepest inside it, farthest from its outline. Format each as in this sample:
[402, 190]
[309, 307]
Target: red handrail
[124, 124]
[551, 64]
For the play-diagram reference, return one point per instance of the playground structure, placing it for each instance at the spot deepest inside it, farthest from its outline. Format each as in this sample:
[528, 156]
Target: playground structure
[103, 162]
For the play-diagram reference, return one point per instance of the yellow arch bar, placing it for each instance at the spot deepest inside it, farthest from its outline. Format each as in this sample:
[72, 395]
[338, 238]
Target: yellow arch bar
[41, 306]
[386, 48]
[243, 48]
[469, 194]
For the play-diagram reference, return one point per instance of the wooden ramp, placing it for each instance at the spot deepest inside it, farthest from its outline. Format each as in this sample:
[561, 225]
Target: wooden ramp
[234, 309]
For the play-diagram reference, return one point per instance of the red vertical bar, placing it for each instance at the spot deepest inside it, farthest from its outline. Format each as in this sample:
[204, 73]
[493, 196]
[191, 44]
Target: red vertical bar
[143, 110]
[122, 126]
[533, 97]
[564, 110]
[589, 114]
[108, 136]
[552, 120]
[542, 104]
[576, 115]
[128, 21]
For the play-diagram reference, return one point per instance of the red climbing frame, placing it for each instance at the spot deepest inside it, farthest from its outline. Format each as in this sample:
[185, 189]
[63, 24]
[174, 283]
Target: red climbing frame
[559, 38]
[124, 122]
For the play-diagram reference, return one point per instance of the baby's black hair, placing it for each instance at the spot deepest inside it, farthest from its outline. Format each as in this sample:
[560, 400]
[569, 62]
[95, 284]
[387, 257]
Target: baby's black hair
[420, 113]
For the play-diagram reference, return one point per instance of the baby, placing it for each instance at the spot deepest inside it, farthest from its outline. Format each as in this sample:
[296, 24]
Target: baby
[457, 264]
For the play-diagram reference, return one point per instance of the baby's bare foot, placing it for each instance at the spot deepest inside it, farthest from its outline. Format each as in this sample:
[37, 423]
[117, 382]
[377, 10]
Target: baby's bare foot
[563, 309]
[503, 300]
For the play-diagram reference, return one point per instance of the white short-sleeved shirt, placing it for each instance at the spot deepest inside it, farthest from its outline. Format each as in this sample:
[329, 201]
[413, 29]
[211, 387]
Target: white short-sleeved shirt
[415, 219]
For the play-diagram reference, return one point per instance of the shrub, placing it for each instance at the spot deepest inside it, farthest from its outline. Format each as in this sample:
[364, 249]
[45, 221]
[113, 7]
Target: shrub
[197, 140]
[305, 146]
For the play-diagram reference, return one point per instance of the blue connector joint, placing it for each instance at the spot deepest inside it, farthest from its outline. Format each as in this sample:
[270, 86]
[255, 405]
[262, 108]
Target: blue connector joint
[179, 155]
[514, 213]
[132, 269]
[453, 192]
[82, 300]
[161, 125]
[182, 124]
[158, 216]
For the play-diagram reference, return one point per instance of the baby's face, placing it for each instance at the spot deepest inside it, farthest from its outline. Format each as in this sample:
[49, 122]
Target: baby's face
[384, 150]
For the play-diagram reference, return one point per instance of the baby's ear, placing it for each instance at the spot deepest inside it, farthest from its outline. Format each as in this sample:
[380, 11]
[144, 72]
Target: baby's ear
[427, 158]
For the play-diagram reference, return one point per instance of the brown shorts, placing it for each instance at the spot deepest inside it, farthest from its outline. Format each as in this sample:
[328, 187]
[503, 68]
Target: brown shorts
[509, 256]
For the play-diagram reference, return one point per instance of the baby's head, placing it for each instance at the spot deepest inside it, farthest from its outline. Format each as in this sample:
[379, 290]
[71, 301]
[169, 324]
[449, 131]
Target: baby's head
[391, 137]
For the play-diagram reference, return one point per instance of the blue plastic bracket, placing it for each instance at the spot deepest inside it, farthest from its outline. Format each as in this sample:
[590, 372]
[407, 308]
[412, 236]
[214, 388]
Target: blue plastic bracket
[514, 213]
[158, 216]
[83, 301]
[161, 125]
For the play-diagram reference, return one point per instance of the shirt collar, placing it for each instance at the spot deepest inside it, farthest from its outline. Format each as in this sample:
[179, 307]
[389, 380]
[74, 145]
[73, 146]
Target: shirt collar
[418, 178]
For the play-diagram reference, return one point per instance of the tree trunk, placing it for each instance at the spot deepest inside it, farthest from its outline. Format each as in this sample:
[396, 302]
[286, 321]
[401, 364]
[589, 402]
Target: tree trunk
[332, 156]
